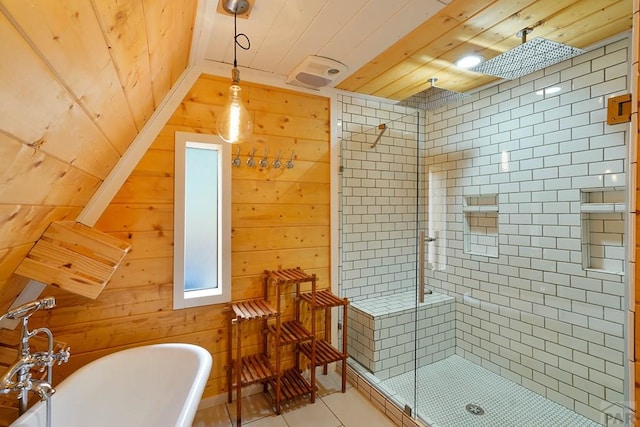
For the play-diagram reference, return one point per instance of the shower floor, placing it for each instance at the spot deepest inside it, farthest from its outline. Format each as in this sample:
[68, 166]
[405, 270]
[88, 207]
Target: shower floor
[447, 386]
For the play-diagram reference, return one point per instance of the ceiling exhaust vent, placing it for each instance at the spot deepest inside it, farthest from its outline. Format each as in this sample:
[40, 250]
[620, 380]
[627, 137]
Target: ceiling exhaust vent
[316, 72]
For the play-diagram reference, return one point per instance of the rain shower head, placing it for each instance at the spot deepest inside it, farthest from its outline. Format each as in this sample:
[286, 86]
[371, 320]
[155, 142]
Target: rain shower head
[530, 56]
[433, 97]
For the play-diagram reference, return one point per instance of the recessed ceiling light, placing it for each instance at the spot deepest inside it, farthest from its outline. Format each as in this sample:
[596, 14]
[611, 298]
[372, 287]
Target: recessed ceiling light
[469, 61]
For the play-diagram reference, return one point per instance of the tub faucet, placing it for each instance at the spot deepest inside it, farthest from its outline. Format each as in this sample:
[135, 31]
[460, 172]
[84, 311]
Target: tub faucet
[43, 390]
[17, 378]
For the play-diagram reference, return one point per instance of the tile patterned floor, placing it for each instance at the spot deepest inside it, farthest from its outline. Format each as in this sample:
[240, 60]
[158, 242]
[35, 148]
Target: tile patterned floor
[332, 409]
[447, 386]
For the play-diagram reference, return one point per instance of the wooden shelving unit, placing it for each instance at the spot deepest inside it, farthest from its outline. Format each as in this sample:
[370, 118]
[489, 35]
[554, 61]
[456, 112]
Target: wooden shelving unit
[266, 367]
[249, 369]
[289, 384]
[319, 351]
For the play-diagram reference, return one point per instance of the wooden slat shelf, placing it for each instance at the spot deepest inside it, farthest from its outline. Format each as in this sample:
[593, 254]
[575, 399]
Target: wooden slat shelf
[255, 369]
[324, 299]
[74, 257]
[290, 275]
[325, 353]
[252, 310]
[291, 332]
[292, 385]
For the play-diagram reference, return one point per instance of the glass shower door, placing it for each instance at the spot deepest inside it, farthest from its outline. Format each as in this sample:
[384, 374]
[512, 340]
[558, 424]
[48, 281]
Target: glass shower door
[380, 221]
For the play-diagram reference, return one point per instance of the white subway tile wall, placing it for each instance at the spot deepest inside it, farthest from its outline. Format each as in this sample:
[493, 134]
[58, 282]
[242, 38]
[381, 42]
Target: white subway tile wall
[532, 313]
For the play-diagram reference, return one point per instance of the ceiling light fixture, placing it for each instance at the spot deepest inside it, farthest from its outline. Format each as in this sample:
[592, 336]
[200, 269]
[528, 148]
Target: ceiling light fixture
[234, 123]
[469, 61]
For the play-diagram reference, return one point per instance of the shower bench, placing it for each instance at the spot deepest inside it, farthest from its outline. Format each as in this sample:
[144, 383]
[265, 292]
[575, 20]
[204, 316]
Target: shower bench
[382, 331]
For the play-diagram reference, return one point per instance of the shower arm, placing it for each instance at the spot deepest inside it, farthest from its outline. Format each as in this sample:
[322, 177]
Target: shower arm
[381, 127]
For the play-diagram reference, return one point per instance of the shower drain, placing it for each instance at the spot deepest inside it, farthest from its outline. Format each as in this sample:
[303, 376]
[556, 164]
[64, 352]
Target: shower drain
[474, 409]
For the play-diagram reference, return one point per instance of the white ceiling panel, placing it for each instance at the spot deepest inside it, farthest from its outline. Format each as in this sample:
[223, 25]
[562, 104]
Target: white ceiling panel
[284, 32]
[376, 29]
[334, 16]
[292, 21]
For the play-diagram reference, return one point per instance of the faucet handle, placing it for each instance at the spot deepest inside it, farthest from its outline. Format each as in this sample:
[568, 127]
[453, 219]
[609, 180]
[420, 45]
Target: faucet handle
[62, 356]
[24, 384]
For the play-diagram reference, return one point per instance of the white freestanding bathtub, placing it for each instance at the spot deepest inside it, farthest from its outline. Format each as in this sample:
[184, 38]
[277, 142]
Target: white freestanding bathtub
[156, 385]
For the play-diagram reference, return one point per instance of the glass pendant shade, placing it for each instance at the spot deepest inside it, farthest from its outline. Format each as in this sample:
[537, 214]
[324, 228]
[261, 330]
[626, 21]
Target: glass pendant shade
[234, 122]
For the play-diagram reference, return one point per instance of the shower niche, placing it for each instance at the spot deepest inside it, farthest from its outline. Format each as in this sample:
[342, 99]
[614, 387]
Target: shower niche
[481, 225]
[603, 227]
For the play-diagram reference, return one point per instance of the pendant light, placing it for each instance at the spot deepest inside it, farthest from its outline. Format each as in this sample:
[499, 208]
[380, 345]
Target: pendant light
[234, 123]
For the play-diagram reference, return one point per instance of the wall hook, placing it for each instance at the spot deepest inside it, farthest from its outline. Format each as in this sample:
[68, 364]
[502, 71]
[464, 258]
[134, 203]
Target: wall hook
[236, 161]
[251, 161]
[277, 163]
[264, 163]
[289, 164]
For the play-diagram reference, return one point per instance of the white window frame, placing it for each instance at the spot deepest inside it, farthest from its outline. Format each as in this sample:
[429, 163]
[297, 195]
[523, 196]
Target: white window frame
[222, 293]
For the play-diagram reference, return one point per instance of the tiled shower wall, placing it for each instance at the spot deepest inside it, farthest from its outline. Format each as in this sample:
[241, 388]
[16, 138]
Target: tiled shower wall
[530, 311]
[378, 198]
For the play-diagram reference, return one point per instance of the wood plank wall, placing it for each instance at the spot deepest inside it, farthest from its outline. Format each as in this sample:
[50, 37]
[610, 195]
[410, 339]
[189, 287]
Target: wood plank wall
[280, 219]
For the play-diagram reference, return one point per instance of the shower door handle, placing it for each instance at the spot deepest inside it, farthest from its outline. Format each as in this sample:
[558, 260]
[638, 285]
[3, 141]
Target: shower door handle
[421, 243]
[421, 267]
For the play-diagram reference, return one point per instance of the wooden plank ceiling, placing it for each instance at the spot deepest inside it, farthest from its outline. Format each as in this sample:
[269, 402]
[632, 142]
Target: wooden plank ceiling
[488, 28]
[78, 80]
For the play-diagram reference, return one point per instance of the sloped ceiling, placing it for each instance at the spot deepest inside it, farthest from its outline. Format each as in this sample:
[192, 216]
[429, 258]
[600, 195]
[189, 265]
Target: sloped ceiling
[79, 79]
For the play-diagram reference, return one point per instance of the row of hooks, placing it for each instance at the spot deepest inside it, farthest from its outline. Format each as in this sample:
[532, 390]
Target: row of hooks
[264, 162]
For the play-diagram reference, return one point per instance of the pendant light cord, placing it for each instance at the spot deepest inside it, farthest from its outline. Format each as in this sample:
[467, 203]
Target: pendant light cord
[236, 42]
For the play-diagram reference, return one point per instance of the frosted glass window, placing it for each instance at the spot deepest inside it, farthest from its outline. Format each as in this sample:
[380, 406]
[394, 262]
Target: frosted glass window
[202, 220]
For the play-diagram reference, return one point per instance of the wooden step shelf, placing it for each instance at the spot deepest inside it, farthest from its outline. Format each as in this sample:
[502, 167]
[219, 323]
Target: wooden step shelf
[292, 385]
[290, 275]
[291, 332]
[325, 353]
[254, 369]
[324, 299]
[252, 310]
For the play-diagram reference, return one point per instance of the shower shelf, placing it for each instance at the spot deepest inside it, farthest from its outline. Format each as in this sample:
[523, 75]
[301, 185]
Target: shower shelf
[480, 208]
[603, 207]
[603, 230]
[480, 225]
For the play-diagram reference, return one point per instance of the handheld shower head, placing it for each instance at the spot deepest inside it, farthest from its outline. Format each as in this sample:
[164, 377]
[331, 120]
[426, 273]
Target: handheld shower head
[29, 308]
